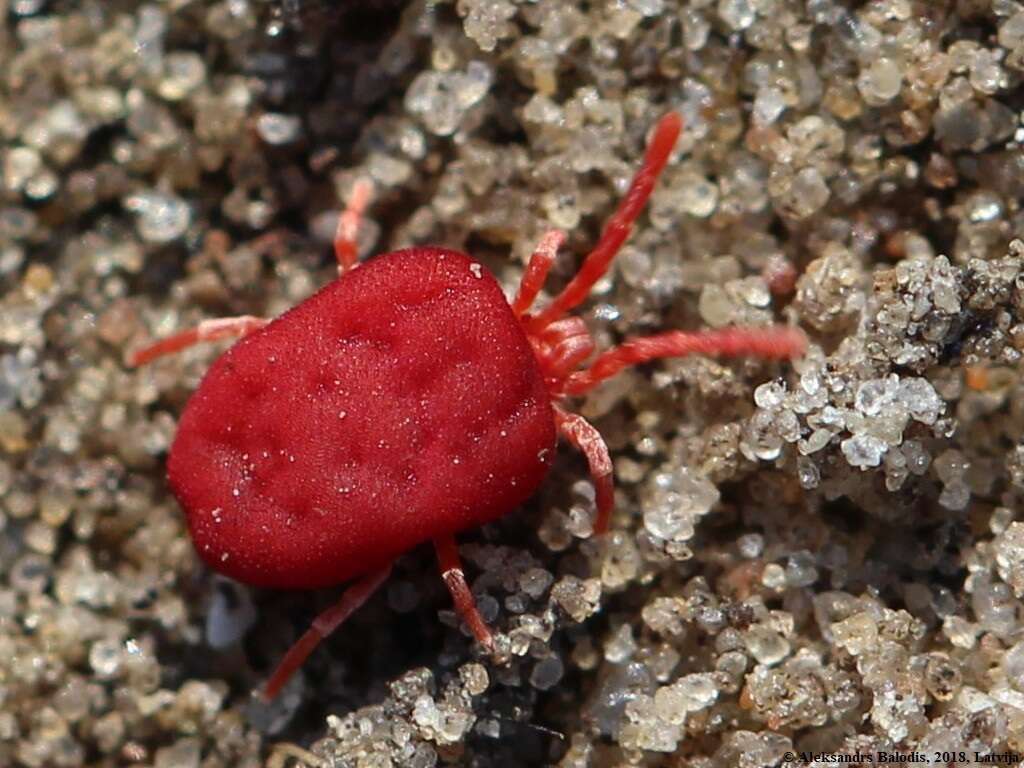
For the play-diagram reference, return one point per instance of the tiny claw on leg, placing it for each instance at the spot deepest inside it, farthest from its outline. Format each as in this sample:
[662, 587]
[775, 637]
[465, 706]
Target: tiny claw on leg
[208, 330]
[323, 625]
[455, 579]
[584, 436]
[346, 247]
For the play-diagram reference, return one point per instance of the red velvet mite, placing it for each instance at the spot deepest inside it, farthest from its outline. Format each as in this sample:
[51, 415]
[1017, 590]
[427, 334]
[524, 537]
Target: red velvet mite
[406, 401]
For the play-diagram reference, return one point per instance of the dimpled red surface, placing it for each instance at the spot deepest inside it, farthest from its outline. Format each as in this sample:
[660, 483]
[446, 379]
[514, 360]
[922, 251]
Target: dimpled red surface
[400, 402]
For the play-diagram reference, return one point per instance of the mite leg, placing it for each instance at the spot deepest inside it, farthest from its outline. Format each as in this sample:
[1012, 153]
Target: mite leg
[346, 248]
[208, 330]
[322, 626]
[454, 578]
[771, 343]
[619, 226]
[583, 436]
[537, 270]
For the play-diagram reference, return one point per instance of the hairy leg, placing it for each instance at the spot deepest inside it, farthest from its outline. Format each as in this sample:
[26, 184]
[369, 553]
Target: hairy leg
[537, 270]
[455, 579]
[346, 248]
[582, 434]
[323, 625]
[771, 343]
[208, 330]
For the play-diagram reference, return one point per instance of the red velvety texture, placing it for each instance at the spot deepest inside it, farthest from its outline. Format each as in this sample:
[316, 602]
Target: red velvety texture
[400, 402]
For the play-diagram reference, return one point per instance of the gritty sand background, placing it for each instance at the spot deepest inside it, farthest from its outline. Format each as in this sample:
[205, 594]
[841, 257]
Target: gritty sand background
[823, 556]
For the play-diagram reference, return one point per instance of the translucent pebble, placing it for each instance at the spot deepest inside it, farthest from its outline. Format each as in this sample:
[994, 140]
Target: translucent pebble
[895, 470]
[40, 537]
[864, 450]
[277, 129]
[773, 576]
[814, 442]
[674, 502]
[858, 634]
[955, 495]
[30, 574]
[1011, 31]
[441, 98]
[621, 645]
[874, 395]
[801, 570]
[738, 14]
[425, 712]
[697, 691]
[750, 545]
[1000, 520]
[1013, 666]
[621, 685]
[699, 197]
[546, 673]
[149, 36]
[995, 608]
[42, 185]
[881, 81]
[987, 75]
[646, 730]
[663, 661]
[920, 399]
[715, 306]
[807, 194]
[670, 705]
[230, 615]
[486, 21]
[766, 645]
[453, 725]
[649, 8]
[752, 290]
[808, 473]
[20, 379]
[1008, 548]
[961, 633]
[184, 71]
[474, 677]
[27, 7]
[20, 164]
[535, 582]
[696, 29]
[918, 459]
[771, 394]
[577, 597]
[950, 465]
[983, 207]
[768, 105]
[106, 657]
[184, 753]
[160, 217]
[761, 439]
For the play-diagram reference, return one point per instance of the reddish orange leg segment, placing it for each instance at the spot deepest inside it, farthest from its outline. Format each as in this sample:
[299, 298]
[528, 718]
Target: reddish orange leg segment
[208, 330]
[537, 270]
[346, 248]
[582, 434]
[323, 625]
[455, 579]
[619, 226]
[772, 343]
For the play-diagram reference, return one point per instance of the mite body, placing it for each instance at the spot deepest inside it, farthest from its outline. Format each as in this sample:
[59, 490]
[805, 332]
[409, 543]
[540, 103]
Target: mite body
[406, 401]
